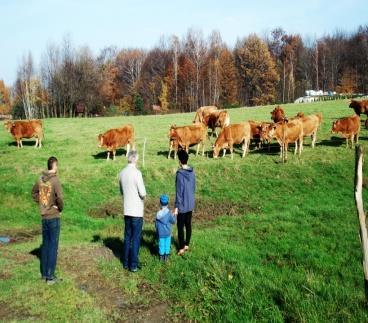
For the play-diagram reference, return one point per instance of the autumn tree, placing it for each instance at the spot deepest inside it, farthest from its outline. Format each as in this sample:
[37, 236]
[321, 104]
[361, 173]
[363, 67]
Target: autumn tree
[4, 98]
[257, 72]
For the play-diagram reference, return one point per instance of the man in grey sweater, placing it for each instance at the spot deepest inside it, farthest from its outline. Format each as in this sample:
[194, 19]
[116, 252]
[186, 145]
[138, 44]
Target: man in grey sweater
[133, 191]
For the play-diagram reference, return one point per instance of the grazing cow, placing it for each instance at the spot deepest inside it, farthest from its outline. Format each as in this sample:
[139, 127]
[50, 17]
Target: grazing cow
[277, 114]
[187, 136]
[25, 129]
[360, 107]
[203, 111]
[115, 138]
[217, 119]
[230, 135]
[256, 132]
[286, 132]
[349, 127]
[311, 125]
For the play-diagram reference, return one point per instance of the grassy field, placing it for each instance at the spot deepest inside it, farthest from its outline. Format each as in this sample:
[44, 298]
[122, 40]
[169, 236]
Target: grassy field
[271, 241]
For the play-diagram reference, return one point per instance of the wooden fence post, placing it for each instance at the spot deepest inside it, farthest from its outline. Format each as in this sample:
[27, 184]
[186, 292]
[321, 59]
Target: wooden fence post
[360, 211]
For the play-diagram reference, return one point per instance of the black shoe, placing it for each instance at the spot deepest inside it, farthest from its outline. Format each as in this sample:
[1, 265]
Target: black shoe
[133, 270]
[125, 267]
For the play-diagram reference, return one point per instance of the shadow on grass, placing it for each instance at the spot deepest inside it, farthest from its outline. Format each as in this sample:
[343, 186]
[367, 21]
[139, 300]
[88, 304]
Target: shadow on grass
[116, 244]
[24, 143]
[103, 154]
[37, 253]
[333, 142]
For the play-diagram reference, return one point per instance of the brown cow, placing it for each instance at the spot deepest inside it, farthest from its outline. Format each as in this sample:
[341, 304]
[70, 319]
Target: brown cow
[277, 114]
[203, 111]
[217, 119]
[25, 129]
[230, 135]
[115, 138]
[255, 132]
[187, 136]
[360, 107]
[311, 125]
[286, 132]
[349, 127]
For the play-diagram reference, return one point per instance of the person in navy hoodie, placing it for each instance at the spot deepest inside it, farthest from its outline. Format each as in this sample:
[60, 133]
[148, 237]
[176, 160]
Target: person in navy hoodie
[164, 222]
[184, 200]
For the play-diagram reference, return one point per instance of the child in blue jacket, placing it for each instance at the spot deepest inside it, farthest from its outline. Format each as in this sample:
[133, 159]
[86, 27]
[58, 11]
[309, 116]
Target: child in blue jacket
[164, 222]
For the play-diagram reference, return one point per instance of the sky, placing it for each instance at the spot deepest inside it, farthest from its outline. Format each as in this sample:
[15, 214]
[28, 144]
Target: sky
[31, 25]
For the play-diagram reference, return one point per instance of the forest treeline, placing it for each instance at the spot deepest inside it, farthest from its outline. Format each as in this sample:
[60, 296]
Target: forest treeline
[181, 74]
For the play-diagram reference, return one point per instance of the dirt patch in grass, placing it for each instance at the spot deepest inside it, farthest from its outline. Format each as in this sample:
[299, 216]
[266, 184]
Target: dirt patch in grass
[10, 313]
[21, 235]
[81, 265]
[205, 210]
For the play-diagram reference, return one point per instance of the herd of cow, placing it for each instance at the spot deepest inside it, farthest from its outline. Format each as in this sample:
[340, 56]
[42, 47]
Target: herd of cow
[284, 130]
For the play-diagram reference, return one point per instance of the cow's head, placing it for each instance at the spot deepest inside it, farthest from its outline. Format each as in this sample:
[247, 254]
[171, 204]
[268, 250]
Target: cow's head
[335, 126]
[100, 139]
[8, 125]
[216, 150]
[172, 131]
[300, 115]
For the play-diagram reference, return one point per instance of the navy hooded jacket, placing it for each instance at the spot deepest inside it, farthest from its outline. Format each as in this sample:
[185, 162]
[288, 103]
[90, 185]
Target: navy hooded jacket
[185, 189]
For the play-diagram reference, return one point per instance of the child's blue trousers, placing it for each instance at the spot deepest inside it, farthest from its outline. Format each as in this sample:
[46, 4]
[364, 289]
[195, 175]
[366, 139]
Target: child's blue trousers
[164, 246]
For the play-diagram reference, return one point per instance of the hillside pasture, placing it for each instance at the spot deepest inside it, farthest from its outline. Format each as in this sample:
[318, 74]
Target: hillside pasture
[271, 241]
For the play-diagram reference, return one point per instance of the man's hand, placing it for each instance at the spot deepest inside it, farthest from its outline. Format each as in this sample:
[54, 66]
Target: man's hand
[175, 211]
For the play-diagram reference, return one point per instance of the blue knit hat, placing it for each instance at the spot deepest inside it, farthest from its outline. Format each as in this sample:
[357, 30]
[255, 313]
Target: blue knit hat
[164, 200]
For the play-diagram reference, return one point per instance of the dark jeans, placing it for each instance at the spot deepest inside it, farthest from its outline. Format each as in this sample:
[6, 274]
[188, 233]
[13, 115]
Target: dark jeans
[132, 241]
[184, 219]
[50, 243]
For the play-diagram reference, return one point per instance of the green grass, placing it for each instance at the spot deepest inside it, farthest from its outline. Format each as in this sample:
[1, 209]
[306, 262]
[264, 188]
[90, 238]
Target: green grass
[292, 255]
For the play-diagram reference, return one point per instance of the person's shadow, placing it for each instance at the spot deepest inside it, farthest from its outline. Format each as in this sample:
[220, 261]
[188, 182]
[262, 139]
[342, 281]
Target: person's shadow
[116, 245]
[37, 253]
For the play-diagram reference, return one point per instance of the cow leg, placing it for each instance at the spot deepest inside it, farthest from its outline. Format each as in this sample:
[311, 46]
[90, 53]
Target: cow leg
[170, 149]
[314, 139]
[36, 143]
[113, 154]
[175, 153]
[198, 146]
[286, 149]
[300, 145]
[223, 152]
[39, 142]
[21, 144]
[296, 147]
[357, 138]
[347, 142]
[128, 149]
[202, 148]
[108, 155]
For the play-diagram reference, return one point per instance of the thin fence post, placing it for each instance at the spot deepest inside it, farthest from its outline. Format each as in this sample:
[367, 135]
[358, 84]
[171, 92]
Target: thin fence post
[359, 152]
[144, 150]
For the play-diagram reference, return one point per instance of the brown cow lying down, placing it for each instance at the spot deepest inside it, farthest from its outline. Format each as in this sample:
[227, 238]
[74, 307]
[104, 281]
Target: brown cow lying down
[202, 112]
[187, 136]
[360, 107]
[311, 125]
[349, 127]
[217, 119]
[116, 138]
[286, 132]
[230, 135]
[25, 129]
[277, 114]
